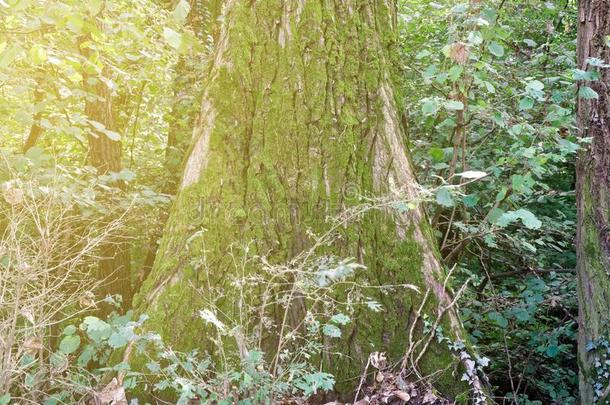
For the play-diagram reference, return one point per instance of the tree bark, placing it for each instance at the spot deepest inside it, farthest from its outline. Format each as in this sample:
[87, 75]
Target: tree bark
[35, 129]
[298, 122]
[105, 155]
[593, 202]
[181, 119]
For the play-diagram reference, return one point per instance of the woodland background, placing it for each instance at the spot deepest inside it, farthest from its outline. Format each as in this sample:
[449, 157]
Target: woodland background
[98, 103]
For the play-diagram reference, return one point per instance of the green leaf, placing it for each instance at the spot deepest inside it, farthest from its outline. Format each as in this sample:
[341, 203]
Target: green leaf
[521, 314]
[116, 341]
[5, 399]
[69, 344]
[173, 38]
[552, 350]
[587, 93]
[154, 367]
[437, 154]
[530, 43]
[597, 62]
[498, 318]
[97, 329]
[528, 219]
[181, 12]
[535, 85]
[455, 72]
[470, 200]
[429, 107]
[475, 38]
[331, 330]
[578, 74]
[443, 197]
[38, 54]
[85, 356]
[9, 55]
[93, 6]
[341, 319]
[453, 105]
[422, 54]
[496, 49]
[526, 103]
[494, 215]
[69, 330]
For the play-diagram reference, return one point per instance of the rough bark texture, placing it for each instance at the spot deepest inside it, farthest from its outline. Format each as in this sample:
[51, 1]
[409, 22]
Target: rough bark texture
[593, 199]
[181, 118]
[105, 155]
[298, 120]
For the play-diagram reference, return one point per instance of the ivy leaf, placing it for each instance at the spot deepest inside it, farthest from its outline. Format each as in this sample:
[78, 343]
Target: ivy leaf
[69, 344]
[496, 49]
[587, 93]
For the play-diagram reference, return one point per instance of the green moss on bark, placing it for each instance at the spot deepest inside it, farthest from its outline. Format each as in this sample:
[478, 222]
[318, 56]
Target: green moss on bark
[294, 142]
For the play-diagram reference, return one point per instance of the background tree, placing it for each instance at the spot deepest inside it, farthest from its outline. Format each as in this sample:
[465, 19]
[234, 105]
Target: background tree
[593, 201]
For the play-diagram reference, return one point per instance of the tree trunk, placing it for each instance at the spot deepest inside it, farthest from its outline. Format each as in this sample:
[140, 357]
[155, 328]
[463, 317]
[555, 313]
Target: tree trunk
[105, 155]
[593, 203]
[35, 129]
[181, 119]
[299, 124]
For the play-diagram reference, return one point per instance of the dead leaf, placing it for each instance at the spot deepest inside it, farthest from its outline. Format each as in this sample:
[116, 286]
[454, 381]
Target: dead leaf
[459, 53]
[402, 395]
[87, 300]
[378, 360]
[32, 345]
[112, 394]
[11, 193]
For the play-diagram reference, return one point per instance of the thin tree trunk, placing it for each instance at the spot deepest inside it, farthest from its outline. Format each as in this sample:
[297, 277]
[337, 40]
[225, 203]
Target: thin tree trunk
[35, 129]
[298, 122]
[105, 155]
[593, 203]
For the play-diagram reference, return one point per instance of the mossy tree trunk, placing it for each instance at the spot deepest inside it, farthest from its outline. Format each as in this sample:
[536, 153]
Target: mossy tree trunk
[298, 123]
[593, 200]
